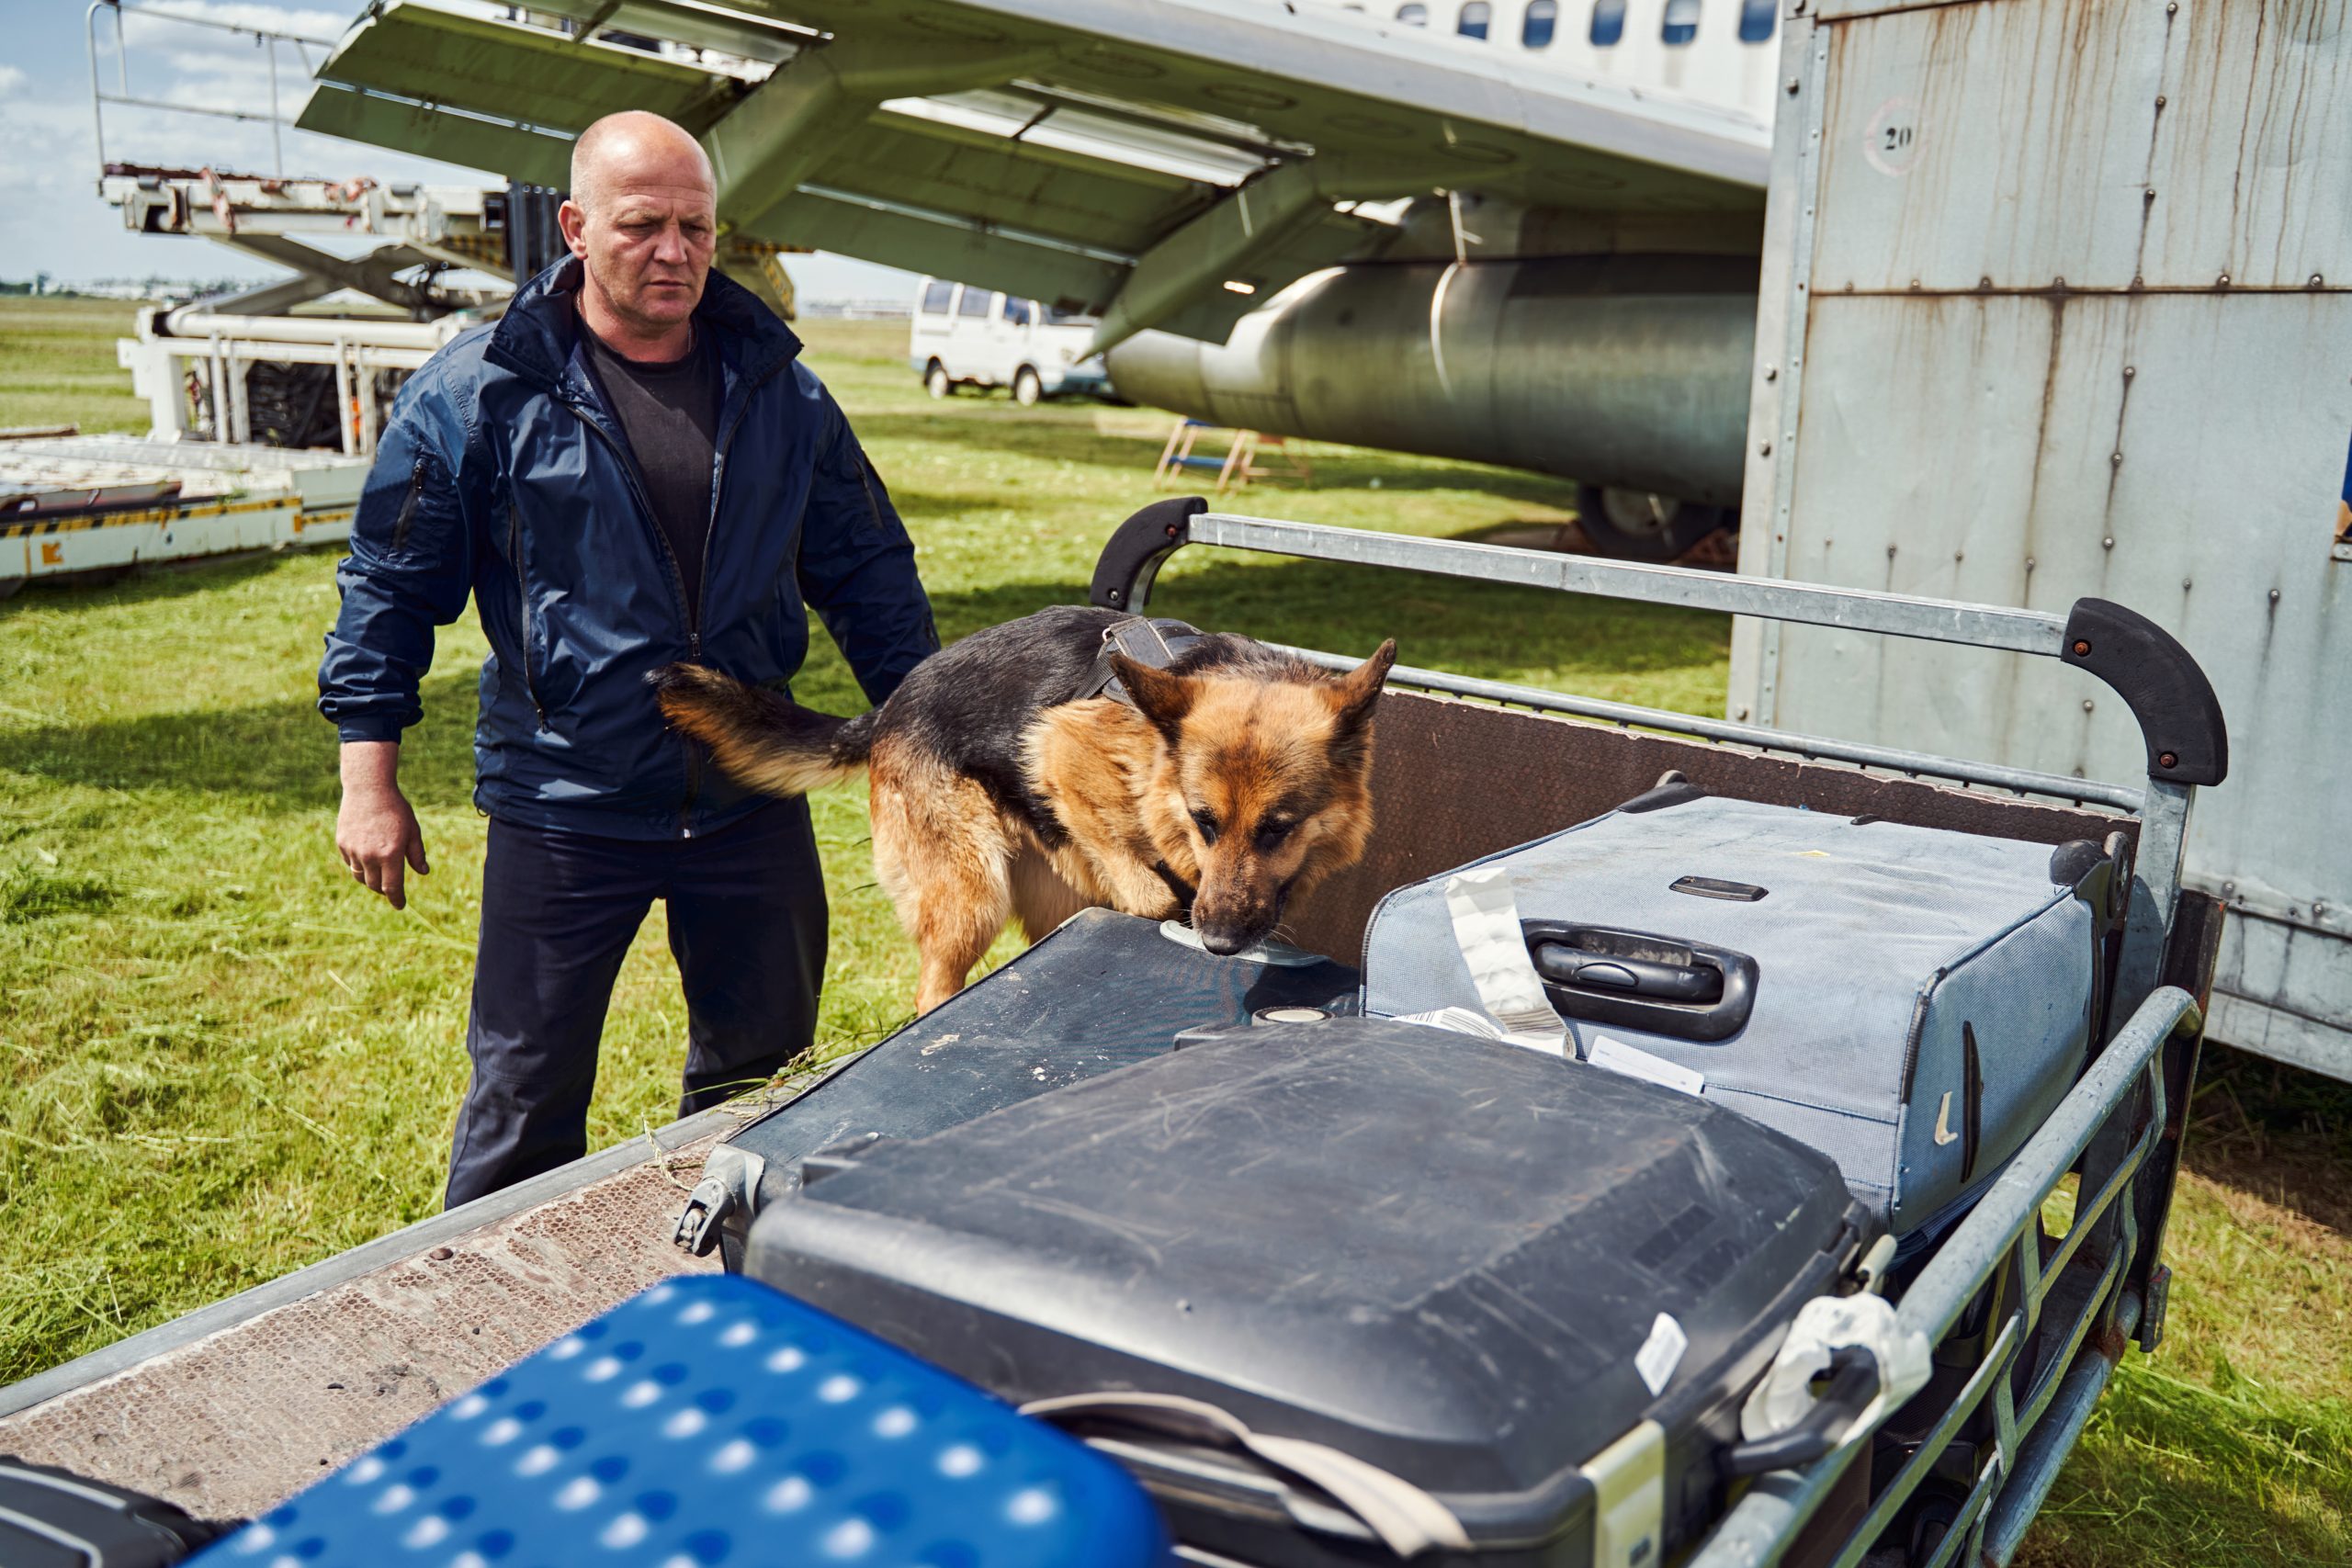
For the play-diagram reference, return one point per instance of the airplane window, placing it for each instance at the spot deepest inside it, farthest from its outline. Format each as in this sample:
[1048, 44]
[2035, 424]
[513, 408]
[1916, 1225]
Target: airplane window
[1473, 19]
[1756, 19]
[1413, 16]
[1681, 21]
[1017, 311]
[1608, 22]
[1535, 29]
[936, 296]
[974, 304]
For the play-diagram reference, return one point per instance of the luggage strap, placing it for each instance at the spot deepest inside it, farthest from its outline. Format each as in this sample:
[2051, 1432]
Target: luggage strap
[1487, 928]
[1406, 1521]
[1158, 643]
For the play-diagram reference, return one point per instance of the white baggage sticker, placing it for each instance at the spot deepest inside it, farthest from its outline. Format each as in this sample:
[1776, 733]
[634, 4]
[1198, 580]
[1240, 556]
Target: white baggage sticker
[1462, 1021]
[1636, 1063]
[1661, 1353]
[1485, 925]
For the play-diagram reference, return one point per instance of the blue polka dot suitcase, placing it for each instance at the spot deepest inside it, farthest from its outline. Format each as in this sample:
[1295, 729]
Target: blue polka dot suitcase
[713, 1422]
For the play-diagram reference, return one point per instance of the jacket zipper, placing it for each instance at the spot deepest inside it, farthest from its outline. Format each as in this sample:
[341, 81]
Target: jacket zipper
[678, 589]
[523, 603]
[693, 623]
[692, 613]
[645, 512]
[407, 517]
[710, 527]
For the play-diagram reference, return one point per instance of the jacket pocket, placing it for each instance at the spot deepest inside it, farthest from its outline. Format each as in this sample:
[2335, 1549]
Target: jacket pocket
[880, 518]
[523, 608]
[405, 519]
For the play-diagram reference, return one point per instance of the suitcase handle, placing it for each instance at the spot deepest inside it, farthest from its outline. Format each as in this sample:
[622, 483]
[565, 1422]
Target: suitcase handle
[1853, 1383]
[1685, 990]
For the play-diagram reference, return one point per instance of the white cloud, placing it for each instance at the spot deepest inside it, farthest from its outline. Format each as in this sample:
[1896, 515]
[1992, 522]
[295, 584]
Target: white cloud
[50, 218]
[46, 156]
[154, 25]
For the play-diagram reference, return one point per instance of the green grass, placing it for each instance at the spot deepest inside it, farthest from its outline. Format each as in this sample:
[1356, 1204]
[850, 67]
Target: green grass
[57, 365]
[222, 1061]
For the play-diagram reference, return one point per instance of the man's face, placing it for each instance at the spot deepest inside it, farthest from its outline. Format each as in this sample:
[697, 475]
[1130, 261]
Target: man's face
[648, 238]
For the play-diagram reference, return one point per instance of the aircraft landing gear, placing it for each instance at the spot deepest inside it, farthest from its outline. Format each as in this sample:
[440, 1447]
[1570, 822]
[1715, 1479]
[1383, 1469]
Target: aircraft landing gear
[1638, 525]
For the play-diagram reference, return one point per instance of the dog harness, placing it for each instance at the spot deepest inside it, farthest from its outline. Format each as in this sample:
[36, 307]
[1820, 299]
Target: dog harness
[1158, 643]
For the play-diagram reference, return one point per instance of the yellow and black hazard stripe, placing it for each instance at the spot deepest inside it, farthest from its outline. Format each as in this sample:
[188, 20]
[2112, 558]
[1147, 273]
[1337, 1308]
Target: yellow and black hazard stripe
[74, 524]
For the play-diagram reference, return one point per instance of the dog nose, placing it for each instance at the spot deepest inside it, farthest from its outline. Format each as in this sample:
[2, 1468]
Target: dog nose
[1225, 944]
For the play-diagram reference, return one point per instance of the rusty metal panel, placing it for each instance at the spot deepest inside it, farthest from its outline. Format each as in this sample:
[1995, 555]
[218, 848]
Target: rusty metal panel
[2177, 453]
[2025, 433]
[2005, 141]
[2063, 280]
[2253, 155]
[1846, 10]
[2282, 989]
[2108, 144]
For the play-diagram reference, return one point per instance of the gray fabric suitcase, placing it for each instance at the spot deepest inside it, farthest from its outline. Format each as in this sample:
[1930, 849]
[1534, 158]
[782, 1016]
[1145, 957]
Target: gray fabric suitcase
[1910, 1001]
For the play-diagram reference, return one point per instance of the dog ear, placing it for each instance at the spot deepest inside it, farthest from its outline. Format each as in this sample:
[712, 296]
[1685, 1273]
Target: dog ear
[1160, 697]
[1354, 695]
[1354, 692]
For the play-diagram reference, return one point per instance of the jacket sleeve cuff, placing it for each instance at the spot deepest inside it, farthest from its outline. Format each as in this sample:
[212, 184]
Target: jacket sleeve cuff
[350, 730]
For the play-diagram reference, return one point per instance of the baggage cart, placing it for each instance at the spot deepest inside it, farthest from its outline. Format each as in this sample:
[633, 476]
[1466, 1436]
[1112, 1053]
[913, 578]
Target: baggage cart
[2029, 1323]
[1463, 768]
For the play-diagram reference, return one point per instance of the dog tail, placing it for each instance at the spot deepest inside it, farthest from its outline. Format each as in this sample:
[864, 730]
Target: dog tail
[762, 740]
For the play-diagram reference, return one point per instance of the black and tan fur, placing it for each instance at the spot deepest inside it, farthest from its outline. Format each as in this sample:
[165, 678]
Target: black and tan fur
[1236, 782]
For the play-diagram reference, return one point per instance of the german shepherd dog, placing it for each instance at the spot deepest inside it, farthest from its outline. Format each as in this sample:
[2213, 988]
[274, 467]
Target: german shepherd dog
[1236, 781]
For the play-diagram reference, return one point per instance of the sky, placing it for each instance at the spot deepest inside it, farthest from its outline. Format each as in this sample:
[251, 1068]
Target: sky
[50, 216]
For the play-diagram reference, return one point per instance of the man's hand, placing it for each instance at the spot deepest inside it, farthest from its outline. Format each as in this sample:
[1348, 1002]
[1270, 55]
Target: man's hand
[376, 832]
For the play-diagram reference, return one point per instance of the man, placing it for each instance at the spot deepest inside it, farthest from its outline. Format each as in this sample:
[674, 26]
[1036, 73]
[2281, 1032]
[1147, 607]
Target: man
[629, 469]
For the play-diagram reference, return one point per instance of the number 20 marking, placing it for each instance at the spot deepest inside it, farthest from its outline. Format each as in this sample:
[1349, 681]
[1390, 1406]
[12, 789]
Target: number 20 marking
[1891, 142]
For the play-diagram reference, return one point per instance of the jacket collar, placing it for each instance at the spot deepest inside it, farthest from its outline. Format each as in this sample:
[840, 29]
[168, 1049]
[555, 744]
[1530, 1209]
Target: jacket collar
[536, 336]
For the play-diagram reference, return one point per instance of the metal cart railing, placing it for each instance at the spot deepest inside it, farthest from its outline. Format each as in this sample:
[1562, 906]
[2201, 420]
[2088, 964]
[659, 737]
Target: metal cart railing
[2057, 1312]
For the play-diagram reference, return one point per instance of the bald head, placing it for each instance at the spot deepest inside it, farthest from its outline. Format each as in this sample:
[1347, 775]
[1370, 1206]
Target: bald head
[634, 145]
[642, 217]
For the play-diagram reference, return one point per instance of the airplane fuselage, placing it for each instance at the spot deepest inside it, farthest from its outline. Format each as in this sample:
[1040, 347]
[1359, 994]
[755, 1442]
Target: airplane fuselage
[1606, 349]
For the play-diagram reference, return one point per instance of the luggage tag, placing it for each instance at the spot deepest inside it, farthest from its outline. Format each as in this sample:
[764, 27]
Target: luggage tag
[1633, 1062]
[1485, 925]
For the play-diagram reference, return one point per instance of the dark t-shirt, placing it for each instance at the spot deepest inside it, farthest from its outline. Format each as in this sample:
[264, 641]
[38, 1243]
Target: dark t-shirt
[670, 413]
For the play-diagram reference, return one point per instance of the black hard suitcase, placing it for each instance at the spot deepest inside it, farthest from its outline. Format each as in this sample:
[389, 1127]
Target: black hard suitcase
[1459, 1263]
[1101, 991]
[54, 1519]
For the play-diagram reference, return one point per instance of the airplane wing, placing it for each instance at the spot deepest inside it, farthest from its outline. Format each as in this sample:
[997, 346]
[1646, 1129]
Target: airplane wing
[1162, 164]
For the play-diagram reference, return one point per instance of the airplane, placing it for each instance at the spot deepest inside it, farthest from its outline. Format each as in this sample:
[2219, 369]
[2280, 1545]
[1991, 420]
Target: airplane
[1518, 232]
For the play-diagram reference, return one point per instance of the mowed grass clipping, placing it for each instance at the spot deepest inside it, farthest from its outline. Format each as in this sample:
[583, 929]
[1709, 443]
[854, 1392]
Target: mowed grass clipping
[223, 1061]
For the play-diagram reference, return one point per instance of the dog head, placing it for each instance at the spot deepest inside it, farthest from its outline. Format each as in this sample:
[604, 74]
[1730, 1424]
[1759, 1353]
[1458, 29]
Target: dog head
[1262, 784]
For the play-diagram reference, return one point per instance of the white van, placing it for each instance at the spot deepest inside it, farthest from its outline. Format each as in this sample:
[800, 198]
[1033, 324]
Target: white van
[970, 337]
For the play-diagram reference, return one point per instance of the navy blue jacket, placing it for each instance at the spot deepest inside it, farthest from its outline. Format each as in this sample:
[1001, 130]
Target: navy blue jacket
[503, 473]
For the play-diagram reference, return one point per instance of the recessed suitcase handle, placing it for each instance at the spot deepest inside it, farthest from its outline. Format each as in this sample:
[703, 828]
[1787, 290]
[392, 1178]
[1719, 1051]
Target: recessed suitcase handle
[1853, 1383]
[1685, 990]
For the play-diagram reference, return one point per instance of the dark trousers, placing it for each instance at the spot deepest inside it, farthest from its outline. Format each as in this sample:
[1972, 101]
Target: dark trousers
[559, 912]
